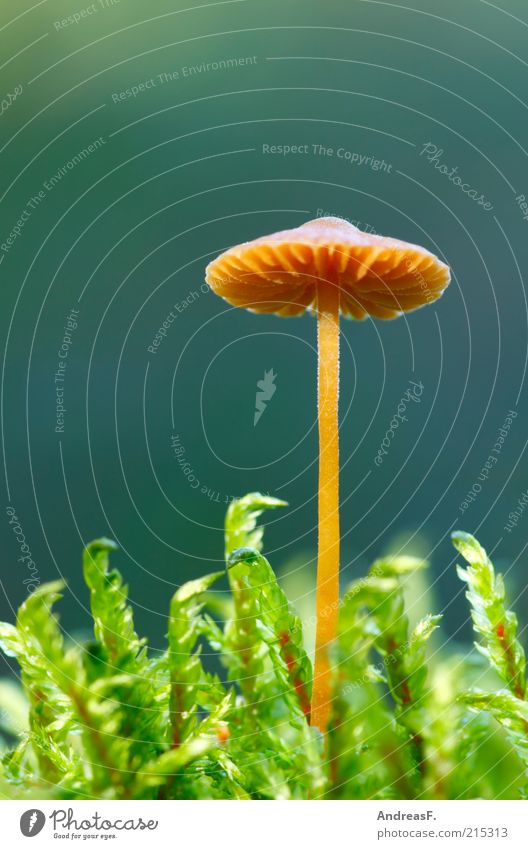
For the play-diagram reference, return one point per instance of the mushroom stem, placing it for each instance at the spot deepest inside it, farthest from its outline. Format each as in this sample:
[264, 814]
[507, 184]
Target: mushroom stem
[328, 542]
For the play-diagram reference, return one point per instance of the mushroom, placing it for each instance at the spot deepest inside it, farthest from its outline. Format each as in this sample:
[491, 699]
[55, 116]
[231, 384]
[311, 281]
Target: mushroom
[329, 266]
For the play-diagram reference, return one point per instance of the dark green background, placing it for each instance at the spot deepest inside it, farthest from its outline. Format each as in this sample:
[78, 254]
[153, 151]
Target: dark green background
[180, 177]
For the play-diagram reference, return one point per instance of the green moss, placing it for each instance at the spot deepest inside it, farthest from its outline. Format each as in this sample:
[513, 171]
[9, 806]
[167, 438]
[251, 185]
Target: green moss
[108, 720]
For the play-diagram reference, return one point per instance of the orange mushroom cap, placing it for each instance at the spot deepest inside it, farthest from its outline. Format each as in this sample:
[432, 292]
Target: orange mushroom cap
[280, 273]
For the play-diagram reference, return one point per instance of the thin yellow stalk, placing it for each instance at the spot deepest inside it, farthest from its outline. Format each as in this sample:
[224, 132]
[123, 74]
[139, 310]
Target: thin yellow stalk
[328, 542]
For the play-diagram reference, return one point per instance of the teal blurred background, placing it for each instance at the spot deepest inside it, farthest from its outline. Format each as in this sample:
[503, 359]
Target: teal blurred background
[141, 130]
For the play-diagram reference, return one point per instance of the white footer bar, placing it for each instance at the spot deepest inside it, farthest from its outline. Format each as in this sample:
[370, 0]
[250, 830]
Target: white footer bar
[255, 825]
